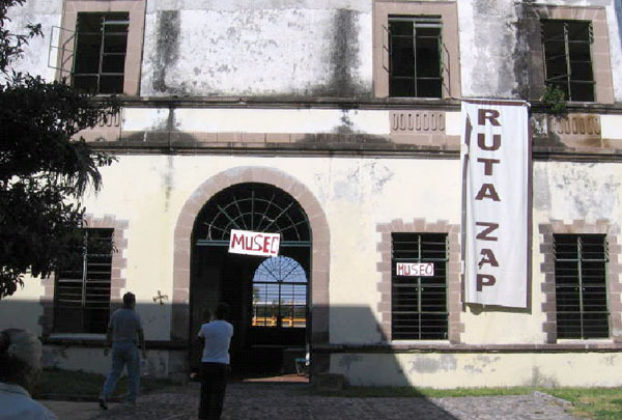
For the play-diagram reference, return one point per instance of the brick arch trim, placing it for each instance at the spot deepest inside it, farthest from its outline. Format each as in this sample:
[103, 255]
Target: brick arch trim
[320, 246]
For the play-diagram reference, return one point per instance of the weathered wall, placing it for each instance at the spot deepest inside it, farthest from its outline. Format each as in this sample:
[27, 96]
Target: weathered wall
[303, 48]
[501, 66]
[246, 48]
[92, 359]
[562, 191]
[37, 53]
[148, 192]
[454, 370]
[487, 67]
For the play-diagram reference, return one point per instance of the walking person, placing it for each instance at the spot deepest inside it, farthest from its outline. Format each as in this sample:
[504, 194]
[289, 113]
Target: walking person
[215, 363]
[125, 332]
[20, 365]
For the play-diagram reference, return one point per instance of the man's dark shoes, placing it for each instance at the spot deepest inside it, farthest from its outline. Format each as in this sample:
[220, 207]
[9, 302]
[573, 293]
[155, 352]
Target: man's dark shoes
[103, 404]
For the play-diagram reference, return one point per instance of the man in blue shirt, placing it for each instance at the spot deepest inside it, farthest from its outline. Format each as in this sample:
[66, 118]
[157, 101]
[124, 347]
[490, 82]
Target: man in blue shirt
[215, 363]
[125, 332]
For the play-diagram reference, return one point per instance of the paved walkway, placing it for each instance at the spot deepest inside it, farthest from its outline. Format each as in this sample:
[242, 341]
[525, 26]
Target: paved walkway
[246, 401]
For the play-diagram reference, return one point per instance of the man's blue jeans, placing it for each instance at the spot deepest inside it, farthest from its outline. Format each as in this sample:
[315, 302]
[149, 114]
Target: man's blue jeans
[124, 354]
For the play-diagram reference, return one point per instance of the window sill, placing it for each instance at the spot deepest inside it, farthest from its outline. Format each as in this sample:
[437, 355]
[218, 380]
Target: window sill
[446, 347]
[584, 342]
[75, 339]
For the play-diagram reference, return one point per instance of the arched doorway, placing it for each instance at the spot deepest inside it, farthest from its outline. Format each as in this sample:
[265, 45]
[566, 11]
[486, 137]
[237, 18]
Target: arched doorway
[268, 296]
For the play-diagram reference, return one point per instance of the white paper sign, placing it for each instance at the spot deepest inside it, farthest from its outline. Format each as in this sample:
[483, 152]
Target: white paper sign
[415, 269]
[496, 163]
[254, 243]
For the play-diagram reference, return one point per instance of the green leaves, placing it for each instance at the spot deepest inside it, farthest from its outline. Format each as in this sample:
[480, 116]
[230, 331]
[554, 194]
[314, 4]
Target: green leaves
[11, 44]
[44, 168]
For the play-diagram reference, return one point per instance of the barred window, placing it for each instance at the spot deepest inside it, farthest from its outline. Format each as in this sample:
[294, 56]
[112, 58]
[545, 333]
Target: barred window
[415, 46]
[568, 58]
[419, 302]
[82, 290]
[581, 286]
[101, 46]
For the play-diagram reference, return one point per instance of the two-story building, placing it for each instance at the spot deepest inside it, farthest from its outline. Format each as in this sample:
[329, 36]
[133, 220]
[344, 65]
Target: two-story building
[339, 126]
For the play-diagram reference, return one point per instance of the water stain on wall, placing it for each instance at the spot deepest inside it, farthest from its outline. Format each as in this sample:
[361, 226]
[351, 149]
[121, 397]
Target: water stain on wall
[343, 58]
[425, 364]
[167, 51]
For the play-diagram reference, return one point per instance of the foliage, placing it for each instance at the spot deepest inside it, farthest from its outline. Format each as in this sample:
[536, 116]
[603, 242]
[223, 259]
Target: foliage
[44, 169]
[596, 403]
[555, 100]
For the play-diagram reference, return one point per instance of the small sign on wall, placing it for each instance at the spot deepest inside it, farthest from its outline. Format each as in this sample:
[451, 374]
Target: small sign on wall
[415, 269]
[254, 243]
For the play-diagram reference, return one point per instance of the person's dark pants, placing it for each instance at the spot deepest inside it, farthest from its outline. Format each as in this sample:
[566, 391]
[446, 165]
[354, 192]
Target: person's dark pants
[213, 385]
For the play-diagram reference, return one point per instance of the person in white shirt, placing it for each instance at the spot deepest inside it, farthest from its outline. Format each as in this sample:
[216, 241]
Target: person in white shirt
[20, 365]
[215, 363]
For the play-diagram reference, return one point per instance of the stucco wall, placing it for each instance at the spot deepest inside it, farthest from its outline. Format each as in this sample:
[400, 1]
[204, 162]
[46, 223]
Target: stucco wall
[306, 48]
[452, 370]
[92, 359]
[37, 55]
[23, 309]
[257, 48]
[356, 194]
[498, 67]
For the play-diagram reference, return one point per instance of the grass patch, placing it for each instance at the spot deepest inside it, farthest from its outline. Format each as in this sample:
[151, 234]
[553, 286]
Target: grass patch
[596, 403]
[592, 403]
[383, 392]
[79, 385]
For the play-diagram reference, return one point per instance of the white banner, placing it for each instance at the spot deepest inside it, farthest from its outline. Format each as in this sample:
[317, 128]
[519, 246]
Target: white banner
[254, 243]
[496, 168]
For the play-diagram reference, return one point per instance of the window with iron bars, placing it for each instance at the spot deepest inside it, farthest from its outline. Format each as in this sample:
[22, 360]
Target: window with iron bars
[581, 286]
[82, 289]
[415, 51]
[100, 49]
[568, 58]
[419, 304]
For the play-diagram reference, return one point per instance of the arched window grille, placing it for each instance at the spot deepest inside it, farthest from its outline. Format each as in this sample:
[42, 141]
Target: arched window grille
[255, 207]
[279, 294]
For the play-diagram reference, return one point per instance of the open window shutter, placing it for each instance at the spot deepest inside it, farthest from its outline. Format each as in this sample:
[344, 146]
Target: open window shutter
[386, 49]
[445, 67]
[61, 50]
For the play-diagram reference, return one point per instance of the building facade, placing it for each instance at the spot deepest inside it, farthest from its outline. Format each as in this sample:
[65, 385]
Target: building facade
[337, 124]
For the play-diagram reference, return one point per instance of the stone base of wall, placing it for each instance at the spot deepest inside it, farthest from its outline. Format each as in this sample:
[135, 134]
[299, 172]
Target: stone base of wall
[92, 360]
[458, 370]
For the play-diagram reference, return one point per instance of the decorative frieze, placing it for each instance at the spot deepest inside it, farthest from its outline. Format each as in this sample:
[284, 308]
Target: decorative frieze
[104, 131]
[584, 125]
[417, 122]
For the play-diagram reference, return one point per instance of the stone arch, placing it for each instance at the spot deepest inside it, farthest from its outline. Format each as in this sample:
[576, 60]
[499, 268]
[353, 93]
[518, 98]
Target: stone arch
[320, 248]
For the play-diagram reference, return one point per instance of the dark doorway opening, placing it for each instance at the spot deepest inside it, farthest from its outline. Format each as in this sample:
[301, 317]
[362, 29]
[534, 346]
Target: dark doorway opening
[269, 297]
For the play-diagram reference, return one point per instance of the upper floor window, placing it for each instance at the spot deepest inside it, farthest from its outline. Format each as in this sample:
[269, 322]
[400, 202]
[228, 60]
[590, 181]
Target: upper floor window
[581, 286]
[416, 49]
[415, 58]
[419, 286]
[101, 46]
[568, 48]
[568, 58]
[82, 287]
